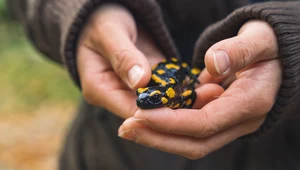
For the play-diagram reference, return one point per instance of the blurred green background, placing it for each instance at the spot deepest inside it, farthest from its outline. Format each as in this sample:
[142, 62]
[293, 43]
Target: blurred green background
[37, 102]
[28, 79]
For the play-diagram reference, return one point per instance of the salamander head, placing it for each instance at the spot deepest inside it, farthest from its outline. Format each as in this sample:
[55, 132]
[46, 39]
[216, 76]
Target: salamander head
[151, 97]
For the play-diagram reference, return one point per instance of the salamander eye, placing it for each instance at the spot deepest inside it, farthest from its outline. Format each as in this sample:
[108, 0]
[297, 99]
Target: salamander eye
[155, 97]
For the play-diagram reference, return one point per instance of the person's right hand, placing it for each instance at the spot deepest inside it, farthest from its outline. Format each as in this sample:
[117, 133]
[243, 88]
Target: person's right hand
[114, 58]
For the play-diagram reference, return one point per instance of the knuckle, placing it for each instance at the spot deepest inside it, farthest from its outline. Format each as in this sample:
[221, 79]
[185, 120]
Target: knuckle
[121, 60]
[210, 131]
[197, 154]
[245, 50]
[206, 131]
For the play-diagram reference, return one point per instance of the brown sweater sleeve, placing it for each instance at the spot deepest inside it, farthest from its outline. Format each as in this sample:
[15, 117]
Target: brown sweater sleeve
[46, 22]
[55, 25]
[284, 19]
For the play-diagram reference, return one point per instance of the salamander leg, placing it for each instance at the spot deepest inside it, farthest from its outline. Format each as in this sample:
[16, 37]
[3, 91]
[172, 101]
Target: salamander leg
[193, 73]
[188, 97]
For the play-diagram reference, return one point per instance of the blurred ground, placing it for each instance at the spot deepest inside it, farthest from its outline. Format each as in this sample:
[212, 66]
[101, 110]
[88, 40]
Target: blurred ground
[33, 141]
[37, 103]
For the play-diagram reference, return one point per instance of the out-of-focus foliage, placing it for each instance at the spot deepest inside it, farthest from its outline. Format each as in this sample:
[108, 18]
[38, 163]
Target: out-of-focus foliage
[28, 79]
[37, 102]
[4, 14]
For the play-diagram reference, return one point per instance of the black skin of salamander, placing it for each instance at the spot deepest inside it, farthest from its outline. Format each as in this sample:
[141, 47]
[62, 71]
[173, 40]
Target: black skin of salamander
[146, 101]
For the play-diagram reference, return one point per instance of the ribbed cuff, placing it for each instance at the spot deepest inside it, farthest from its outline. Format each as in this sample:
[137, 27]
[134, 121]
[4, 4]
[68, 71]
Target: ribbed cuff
[284, 18]
[147, 14]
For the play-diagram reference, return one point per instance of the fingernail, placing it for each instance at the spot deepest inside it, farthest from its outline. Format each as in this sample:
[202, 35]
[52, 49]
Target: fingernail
[129, 135]
[221, 61]
[134, 75]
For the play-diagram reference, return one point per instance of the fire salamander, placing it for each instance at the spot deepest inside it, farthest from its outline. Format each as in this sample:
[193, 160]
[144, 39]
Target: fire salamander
[171, 85]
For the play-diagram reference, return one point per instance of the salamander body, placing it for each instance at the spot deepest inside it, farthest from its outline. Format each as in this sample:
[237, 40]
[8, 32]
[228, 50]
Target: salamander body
[171, 85]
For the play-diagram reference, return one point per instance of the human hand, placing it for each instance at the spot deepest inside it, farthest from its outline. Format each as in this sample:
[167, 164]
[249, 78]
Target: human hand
[114, 58]
[239, 110]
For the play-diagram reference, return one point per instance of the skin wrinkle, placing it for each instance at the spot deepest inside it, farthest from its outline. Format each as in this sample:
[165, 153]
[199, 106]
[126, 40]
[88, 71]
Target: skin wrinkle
[244, 54]
[203, 132]
[174, 113]
[91, 71]
[194, 133]
[242, 117]
[120, 61]
[246, 113]
[267, 100]
[141, 136]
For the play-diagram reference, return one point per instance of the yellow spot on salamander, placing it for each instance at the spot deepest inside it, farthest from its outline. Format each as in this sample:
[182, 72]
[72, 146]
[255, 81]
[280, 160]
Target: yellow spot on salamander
[174, 59]
[184, 65]
[154, 67]
[174, 66]
[171, 92]
[188, 102]
[176, 106]
[195, 71]
[155, 92]
[158, 80]
[160, 72]
[164, 100]
[171, 80]
[141, 90]
[187, 93]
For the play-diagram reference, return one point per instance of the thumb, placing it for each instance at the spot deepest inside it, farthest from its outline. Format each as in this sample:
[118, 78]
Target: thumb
[255, 41]
[113, 34]
[128, 62]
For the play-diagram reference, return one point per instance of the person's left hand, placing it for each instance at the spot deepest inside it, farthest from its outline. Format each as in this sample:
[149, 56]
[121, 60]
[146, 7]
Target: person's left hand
[250, 57]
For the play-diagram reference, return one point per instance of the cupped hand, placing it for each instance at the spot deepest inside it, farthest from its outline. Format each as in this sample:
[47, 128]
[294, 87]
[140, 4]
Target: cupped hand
[114, 58]
[247, 65]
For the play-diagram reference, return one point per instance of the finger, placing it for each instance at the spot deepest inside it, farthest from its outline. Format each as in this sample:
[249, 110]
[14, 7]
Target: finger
[207, 93]
[243, 100]
[192, 148]
[99, 80]
[113, 34]
[256, 41]
[196, 123]
[128, 62]
[206, 77]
